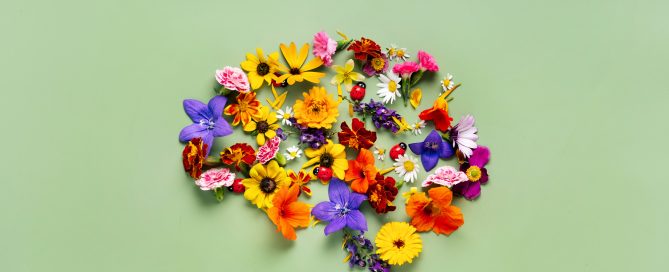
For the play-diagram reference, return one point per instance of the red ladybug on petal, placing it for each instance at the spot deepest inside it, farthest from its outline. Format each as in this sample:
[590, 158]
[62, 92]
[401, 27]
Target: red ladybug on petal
[279, 84]
[323, 173]
[358, 91]
[397, 150]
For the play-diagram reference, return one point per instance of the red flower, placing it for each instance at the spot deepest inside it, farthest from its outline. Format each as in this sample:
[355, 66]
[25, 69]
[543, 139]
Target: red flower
[238, 187]
[194, 155]
[358, 137]
[365, 48]
[438, 114]
[238, 154]
[382, 193]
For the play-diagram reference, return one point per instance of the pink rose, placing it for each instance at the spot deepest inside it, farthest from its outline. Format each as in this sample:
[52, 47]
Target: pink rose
[233, 78]
[427, 62]
[445, 176]
[268, 151]
[324, 47]
[215, 178]
[405, 69]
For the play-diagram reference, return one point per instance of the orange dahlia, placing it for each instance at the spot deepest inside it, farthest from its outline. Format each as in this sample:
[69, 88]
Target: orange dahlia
[247, 107]
[434, 212]
[317, 110]
[361, 171]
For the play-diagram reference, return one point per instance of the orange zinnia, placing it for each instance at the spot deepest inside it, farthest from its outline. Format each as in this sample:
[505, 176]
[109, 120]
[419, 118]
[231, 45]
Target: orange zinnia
[435, 212]
[247, 106]
[361, 172]
[287, 213]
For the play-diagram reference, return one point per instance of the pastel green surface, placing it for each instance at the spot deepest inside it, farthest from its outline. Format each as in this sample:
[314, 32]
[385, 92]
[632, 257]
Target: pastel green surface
[569, 95]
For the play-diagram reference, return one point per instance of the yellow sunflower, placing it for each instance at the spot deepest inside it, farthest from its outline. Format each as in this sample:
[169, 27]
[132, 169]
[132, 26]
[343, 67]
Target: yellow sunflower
[329, 155]
[264, 182]
[318, 110]
[398, 243]
[296, 72]
[264, 124]
[261, 68]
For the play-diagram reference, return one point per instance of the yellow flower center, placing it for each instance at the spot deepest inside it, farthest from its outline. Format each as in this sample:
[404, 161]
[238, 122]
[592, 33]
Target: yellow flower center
[474, 173]
[392, 51]
[374, 197]
[400, 53]
[392, 86]
[378, 63]
[447, 82]
[237, 155]
[293, 153]
[286, 116]
[409, 166]
[381, 151]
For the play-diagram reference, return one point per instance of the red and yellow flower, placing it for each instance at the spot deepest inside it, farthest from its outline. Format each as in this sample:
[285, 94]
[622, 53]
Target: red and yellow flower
[358, 137]
[194, 155]
[382, 193]
[238, 154]
[247, 107]
[301, 179]
[438, 114]
[365, 49]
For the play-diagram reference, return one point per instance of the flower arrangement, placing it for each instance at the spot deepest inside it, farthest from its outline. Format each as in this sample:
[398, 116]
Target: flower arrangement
[343, 154]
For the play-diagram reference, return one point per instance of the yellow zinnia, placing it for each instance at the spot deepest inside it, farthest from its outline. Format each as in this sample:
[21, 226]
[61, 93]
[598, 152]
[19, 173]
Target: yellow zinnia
[318, 110]
[264, 182]
[346, 75]
[261, 68]
[295, 72]
[329, 155]
[398, 243]
[264, 124]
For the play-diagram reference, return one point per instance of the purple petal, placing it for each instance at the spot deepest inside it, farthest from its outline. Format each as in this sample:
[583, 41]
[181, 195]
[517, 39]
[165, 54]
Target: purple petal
[355, 200]
[445, 150]
[196, 110]
[336, 224]
[216, 105]
[417, 148]
[480, 157]
[208, 139]
[484, 176]
[338, 192]
[222, 128]
[192, 131]
[470, 190]
[433, 137]
[324, 211]
[429, 160]
[355, 220]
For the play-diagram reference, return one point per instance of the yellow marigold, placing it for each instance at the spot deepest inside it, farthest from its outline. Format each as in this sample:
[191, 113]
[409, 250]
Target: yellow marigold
[318, 110]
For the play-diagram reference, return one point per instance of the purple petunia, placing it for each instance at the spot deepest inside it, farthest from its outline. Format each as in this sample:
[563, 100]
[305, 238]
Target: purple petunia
[342, 209]
[476, 173]
[431, 149]
[207, 120]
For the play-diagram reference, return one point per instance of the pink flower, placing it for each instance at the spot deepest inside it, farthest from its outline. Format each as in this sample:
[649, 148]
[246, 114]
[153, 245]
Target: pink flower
[215, 178]
[405, 69]
[445, 176]
[324, 47]
[269, 150]
[233, 78]
[427, 62]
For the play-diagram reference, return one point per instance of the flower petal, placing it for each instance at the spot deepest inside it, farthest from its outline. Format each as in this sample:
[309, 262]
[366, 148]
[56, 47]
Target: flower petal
[429, 160]
[192, 131]
[337, 223]
[417, 148]
[338, 192]
[480, 157]
[222, 128]
[324, 211]
[216, 105]
[196, 110]
[355, 200]
[445, 150]
[356, 221]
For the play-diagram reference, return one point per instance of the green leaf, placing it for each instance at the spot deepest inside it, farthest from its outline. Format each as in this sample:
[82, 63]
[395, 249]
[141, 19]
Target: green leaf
[219, 192]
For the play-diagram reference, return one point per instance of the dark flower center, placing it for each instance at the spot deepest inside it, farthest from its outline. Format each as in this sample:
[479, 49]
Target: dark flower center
[267, 185]
[294, 71]
[263, 126]
[430, 209]
[326, 160]
[398, 243]
[262, 69]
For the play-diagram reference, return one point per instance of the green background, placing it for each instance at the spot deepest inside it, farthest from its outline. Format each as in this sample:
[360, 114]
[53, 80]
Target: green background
[569, 95]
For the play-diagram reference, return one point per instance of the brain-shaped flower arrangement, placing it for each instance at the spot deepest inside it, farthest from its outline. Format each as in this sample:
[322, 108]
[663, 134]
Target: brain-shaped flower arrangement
[343, 157]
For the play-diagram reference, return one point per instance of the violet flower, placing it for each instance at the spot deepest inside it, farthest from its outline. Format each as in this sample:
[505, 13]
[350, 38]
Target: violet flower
[342, 209]
[476, 173]
[464, 135]
[207, 120]
[381, 115]
[431, 149]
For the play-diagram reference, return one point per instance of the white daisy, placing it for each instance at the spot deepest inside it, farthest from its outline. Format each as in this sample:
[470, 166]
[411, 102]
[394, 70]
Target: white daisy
[380, 153]
[417, 128]
[396, 52]
[390, 86]
[406, 167]
[284, 116]
[292, 153]
[447, 82]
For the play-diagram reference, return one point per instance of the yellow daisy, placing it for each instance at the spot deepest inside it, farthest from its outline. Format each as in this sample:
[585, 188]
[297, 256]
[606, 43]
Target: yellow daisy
[261, 68]
[264, 182]
[264, 124]
[329, 155]
[317, 110]
[346, 75]
[296, 72]
[398, 243]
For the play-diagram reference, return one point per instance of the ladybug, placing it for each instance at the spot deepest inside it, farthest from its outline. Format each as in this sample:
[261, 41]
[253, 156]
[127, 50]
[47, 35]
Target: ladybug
[283, 84]
[323, 173]
[397, 150]
[358, 91]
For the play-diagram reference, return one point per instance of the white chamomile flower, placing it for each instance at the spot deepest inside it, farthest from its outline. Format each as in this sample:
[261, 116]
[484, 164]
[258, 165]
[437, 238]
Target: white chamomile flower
[285, 116]
[395, 52]
[447, 82]
[292, 153]
[390, 86]
[406, 167]
[417, 128]
[380, 153]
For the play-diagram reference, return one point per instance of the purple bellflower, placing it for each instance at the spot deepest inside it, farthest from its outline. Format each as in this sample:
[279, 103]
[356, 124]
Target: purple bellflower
[207, 120]
[431, 149]
[342, 209]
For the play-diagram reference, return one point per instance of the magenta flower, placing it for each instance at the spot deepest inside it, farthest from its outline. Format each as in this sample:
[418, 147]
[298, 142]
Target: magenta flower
[405, 69]
[208, 121]
[476, 173]
[342, 209]
[427, 62]
[464, 135]
[431, 149]
[215, 178]
[268, 150]
[233, 78]
[324, 47]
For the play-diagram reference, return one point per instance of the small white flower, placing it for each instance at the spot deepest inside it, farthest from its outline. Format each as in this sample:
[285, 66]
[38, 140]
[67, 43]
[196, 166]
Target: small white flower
[406, 167]
[464, 135]
[396, 52]
[417, 128]
[284, 116]
[292, 153]
[380, 153]
[447, 82]
[390, 86]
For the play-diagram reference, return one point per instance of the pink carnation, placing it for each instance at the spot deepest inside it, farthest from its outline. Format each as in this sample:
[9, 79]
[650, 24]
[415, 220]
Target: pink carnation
[215, 178]
[233, 78]
[445, 176]
[405, 69]
[324, 47]
[269, 150]
[427, 62]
